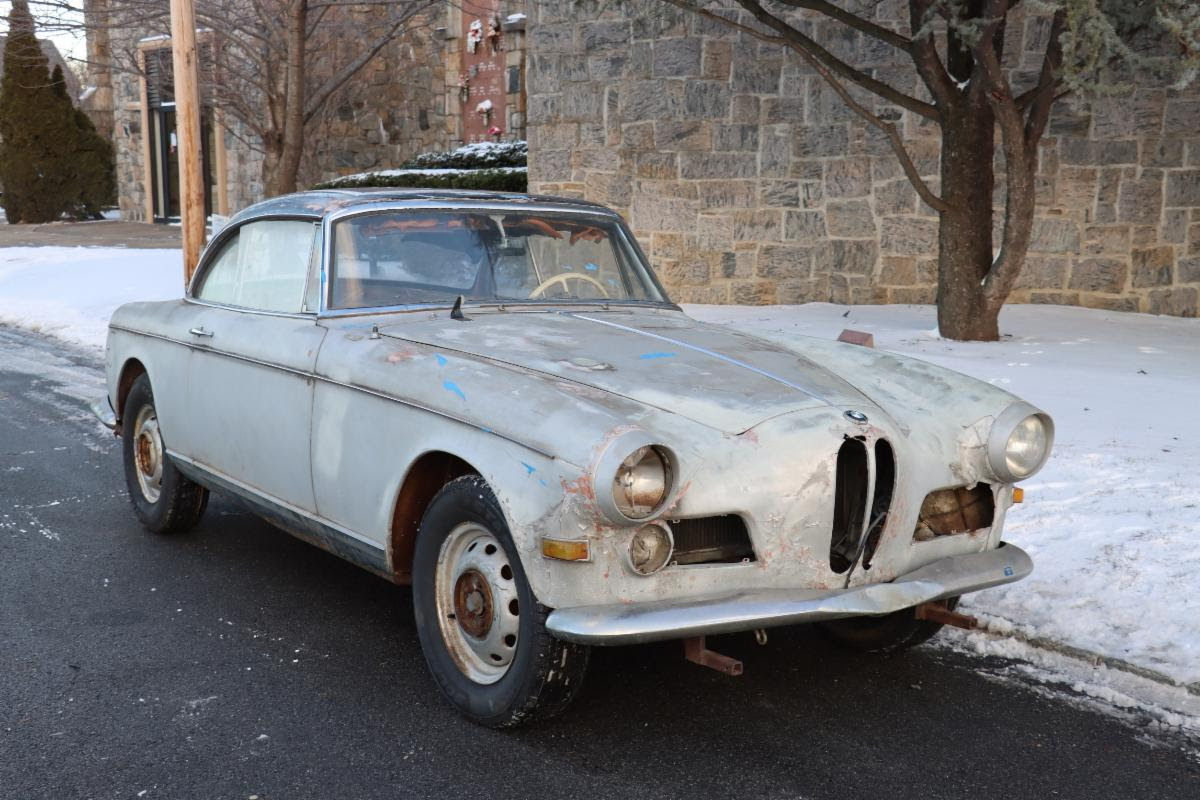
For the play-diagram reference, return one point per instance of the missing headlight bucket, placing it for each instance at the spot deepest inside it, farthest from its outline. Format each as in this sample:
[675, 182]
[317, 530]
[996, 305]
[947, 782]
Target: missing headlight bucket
[959, 509]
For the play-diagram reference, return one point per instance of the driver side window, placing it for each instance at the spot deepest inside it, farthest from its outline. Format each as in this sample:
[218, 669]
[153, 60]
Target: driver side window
[263, 266]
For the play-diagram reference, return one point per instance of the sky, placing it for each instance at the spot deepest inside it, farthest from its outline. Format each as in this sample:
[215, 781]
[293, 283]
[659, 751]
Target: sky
[71, 44]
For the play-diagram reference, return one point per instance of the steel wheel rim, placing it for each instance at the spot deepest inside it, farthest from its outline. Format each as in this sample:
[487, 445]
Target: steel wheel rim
[477, 603]
[148, 454]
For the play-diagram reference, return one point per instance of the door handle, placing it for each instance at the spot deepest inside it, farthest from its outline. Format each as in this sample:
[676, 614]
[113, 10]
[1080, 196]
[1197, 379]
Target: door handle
[200, 332]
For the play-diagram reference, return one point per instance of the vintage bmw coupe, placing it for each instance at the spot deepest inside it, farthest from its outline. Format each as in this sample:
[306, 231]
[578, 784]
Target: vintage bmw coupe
[489, 397]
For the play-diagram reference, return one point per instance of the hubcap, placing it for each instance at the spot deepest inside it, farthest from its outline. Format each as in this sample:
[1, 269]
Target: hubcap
[148, 453]
[477, 603]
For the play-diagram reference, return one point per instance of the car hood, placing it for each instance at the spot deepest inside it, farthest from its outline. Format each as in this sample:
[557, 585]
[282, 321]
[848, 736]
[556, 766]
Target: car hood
[707, 373]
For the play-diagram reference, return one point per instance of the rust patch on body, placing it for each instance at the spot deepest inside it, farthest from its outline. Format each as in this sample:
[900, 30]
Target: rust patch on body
[580, 487]
[401, 356]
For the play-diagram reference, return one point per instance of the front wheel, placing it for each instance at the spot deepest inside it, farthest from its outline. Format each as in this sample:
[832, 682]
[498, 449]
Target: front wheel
[164, 500]
[482, 631]
[887, 634]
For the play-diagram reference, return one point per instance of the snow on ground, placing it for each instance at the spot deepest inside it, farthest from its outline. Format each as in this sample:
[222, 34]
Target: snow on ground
[70, 292]
[1112, 521]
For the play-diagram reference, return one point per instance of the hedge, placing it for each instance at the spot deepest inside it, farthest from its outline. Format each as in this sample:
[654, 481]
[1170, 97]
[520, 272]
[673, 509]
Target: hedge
[494, 180]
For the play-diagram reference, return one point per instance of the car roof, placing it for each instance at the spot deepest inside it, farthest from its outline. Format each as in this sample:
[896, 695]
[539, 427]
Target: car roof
[319, 203]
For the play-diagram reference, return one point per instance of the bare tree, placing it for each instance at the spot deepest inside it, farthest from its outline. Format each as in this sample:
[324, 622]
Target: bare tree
[273, 65]
[957, 49]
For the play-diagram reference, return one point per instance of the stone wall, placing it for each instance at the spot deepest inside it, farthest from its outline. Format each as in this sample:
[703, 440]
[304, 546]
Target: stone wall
[393, 110]
[390, 112]
[749, 181]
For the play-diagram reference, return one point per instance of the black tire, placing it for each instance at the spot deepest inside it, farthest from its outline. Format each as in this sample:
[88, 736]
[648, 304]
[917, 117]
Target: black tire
[544, 673]
[887, 634]
[180, 503]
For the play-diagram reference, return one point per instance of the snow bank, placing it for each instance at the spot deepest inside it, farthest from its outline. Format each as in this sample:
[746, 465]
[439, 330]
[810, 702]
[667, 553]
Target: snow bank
[1113, 520]
[70, 292]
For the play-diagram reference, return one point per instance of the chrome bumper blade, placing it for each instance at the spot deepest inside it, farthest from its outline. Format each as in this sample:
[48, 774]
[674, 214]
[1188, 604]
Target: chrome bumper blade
[104, 412]
[748, 610]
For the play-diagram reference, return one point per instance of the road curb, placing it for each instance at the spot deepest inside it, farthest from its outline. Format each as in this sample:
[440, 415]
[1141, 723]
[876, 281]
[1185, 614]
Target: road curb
[1085, 655]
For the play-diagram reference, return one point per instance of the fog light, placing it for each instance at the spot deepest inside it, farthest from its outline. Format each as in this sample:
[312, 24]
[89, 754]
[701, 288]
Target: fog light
[650, 548]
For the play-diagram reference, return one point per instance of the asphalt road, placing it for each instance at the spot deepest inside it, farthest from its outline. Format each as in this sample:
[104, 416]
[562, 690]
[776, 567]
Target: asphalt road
[236, 661]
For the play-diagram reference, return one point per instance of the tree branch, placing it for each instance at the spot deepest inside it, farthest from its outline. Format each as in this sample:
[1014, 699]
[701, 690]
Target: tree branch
[1019, 161]
[351, 68]
[800, 43]
[923, 51]
[853, 21]
[888, 128]
[1047, 88]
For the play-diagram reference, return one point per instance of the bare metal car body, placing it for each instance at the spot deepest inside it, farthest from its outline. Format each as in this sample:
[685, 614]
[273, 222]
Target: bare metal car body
[340, 425]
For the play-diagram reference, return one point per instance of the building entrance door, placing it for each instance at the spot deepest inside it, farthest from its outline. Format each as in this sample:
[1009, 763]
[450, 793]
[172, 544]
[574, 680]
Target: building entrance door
[164, 162]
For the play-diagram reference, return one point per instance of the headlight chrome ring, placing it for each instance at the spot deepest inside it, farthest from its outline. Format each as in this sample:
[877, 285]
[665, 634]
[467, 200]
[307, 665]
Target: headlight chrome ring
[651, 548]
[1019, 442]
[634, 478]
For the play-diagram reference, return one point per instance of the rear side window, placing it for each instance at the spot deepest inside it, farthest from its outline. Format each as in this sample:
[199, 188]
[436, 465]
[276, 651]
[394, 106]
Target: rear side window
[263, 266]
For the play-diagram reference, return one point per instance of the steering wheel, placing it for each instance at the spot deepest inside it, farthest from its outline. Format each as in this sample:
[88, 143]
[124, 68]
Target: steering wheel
[562, 278]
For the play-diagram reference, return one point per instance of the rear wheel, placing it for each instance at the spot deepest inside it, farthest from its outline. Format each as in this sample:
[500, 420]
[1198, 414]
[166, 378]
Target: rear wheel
[887, 634]
[481, 629]
[163, 499]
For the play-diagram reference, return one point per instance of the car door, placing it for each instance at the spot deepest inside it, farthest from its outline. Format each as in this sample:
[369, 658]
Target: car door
[255, 347]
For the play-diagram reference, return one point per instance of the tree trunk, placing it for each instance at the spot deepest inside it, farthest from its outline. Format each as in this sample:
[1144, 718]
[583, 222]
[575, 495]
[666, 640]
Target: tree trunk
[276, 181]
[281, 167]
[965, 233]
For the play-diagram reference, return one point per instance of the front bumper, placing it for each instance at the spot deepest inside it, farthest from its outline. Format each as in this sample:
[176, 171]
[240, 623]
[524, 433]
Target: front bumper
[104, 412]
[748, 610]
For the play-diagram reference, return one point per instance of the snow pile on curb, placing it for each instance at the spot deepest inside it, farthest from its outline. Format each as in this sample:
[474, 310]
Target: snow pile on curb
[70, 292]
[1113, 520]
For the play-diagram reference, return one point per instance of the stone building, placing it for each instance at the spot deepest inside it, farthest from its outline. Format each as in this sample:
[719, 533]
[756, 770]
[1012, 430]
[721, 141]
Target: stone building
[56, 60]
[749, 181]
[406, 101]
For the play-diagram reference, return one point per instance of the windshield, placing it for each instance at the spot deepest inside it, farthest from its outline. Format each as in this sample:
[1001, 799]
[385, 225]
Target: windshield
[406, 257]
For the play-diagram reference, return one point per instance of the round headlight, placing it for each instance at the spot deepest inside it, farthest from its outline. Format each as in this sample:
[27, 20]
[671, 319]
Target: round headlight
[1020, 442]
[641, 483]
[1026, 446]
[650, 549]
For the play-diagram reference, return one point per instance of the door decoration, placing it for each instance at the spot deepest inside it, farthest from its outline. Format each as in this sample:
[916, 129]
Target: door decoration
[484, 109]
[474, 35]
[493, 34]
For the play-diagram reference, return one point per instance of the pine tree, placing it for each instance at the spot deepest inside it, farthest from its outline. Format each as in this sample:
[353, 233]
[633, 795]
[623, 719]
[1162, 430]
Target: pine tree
[37, 131]
[92, 177]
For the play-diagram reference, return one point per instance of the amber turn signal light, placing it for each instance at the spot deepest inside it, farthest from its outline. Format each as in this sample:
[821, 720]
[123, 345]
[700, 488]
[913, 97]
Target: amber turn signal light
[566, 549]
[1018, 495]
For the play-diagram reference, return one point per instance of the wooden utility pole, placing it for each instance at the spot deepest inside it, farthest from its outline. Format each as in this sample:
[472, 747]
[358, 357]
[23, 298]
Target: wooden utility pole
[187, 130]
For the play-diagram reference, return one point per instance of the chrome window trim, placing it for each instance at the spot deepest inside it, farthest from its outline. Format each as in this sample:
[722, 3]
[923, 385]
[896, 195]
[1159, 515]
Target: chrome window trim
[309, 315]
[351, 386]
[384, 206]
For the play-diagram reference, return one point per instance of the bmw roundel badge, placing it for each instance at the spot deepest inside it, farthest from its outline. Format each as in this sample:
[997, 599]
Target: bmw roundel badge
[856, 416]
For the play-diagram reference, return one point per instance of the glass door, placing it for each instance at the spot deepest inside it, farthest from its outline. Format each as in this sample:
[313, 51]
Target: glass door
[164, 162]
